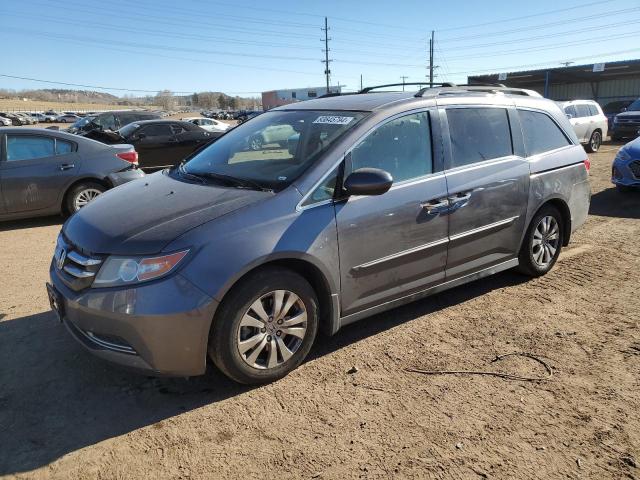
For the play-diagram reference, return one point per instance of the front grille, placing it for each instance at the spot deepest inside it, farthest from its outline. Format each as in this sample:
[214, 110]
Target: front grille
[635, 168]
[76, 268]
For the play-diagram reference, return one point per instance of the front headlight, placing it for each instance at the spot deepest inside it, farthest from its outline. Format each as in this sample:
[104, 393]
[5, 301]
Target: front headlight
[118, 271]
[623, 156]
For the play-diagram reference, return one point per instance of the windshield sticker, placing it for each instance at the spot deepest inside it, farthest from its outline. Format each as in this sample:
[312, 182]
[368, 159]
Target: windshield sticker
[333, 119]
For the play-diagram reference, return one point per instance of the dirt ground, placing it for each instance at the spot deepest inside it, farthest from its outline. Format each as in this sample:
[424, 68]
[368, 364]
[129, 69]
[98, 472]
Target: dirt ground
[65, 414]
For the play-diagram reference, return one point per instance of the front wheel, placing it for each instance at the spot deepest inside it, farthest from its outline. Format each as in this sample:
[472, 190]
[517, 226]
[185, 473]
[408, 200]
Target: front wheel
[594, 142]
[542, 243]
[82, 194]
[265, 327]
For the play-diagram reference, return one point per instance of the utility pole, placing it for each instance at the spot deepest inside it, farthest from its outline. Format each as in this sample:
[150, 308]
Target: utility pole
[361, 82]
[403, 77]
[431, 40]
[326, 60]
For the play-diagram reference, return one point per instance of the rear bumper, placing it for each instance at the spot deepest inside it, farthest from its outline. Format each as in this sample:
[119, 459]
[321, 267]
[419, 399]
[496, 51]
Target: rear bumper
[159, 328]
[118, 178]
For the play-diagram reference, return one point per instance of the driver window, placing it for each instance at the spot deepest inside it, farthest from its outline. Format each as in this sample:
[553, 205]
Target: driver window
[401, 147]
[156, 130]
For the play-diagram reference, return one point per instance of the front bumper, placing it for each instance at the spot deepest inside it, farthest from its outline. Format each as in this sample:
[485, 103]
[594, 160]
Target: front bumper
[622, 173]
[160, 328]
[625, 130]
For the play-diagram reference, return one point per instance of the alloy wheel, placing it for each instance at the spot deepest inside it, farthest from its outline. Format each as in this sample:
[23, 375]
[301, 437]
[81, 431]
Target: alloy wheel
[84, 197]
[272, 329]
[546, 239]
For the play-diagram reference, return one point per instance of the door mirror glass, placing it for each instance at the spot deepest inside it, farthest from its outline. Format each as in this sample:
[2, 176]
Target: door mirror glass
[368, 181]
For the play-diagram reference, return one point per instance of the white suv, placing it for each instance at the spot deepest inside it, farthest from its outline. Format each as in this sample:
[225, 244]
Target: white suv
[588, 121]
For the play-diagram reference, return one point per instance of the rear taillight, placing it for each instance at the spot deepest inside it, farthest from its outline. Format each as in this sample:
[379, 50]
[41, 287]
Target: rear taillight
[131, 157]
[587, 164]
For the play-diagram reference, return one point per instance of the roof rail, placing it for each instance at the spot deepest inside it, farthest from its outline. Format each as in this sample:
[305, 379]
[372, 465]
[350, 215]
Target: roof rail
[478, 88]
[368, 89]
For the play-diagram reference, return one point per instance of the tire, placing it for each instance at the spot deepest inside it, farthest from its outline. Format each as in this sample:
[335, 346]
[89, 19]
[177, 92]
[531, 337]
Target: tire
[531, 263]
[594, 142]
[236, 321]
[256, 142]
[76, 197]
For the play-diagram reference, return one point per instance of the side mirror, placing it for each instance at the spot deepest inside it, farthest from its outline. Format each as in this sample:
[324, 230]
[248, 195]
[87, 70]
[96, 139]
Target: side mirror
[623, 109]
[140, 136]
[368, 181]
[569, 116]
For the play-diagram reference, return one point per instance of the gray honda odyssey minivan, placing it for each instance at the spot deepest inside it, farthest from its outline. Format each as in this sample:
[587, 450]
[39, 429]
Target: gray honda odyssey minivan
[374, 200]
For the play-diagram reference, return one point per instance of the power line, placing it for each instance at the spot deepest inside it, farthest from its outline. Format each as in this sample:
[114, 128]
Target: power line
[544, 25]
[522, 17]
[512, 68]
[553, 46]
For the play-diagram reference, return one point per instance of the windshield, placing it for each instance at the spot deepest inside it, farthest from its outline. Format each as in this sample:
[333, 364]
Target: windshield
[273, 149]
[82, 122]
[635, 106]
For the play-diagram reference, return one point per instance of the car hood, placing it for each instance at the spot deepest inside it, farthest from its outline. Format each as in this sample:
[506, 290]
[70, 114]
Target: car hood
[143, 216]
[633, 148]
[629, 114]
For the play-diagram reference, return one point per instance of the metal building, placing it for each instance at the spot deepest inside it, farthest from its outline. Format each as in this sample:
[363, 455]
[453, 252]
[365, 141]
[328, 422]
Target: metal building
[603, 82]
[276, 98]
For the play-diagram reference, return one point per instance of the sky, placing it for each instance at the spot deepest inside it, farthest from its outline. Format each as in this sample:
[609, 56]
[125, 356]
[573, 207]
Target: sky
[243, 47]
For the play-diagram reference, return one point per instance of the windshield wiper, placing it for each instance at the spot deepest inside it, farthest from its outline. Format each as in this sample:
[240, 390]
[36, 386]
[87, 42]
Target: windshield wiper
[236, 181]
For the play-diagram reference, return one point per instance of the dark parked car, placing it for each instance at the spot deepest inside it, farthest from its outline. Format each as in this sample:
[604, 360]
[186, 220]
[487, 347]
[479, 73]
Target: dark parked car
[111, 121]
[627, 124]
[242, 117]
[160, 143]
[45, 172]
[611, 109]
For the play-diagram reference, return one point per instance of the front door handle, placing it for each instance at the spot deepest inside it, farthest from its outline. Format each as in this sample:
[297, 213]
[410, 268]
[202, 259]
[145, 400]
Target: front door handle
[435, 206]
[67, 166]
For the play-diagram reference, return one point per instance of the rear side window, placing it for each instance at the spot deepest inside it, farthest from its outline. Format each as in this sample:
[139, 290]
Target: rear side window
[541, 134]
[401, 147]
[157, 130]
[478, 134]
[583, 110]
[22, 147]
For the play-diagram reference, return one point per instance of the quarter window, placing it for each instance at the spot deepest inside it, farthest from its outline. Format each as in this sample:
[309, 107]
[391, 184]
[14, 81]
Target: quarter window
[541, 134]
[401, 147]
[593, 110]
[478, 134]
[22, 147]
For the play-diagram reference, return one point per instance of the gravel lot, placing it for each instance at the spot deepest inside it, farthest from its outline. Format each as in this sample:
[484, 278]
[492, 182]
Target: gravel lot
[65, 414]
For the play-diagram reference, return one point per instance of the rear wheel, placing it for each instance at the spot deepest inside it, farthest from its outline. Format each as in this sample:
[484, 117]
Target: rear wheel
[542, 243]
[594, 142]
[265, 327]
[80, 195]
